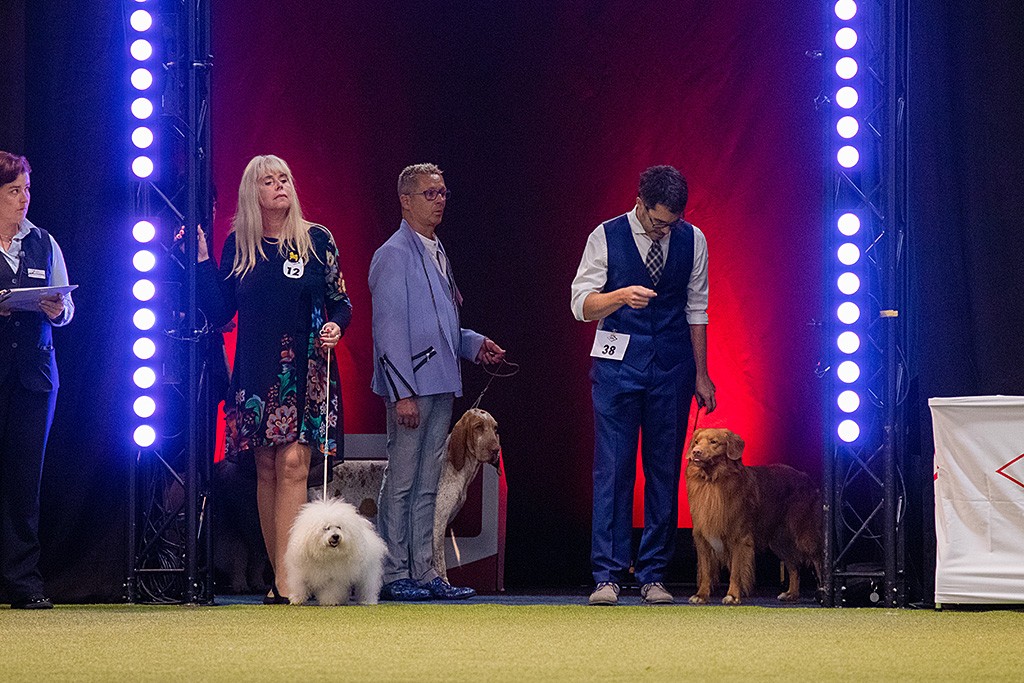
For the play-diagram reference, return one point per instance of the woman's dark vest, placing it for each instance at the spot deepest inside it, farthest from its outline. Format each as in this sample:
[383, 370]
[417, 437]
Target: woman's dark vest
[26, 343]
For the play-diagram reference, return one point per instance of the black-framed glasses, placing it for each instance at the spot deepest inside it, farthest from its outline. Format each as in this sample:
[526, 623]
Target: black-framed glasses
[661, 225]
[432, 194]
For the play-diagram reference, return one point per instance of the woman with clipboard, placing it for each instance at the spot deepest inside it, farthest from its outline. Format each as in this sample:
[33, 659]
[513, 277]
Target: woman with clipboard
[29, 258]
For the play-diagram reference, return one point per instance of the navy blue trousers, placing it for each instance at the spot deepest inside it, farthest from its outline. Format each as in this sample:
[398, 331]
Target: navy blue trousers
[627, 402]
[25, 418]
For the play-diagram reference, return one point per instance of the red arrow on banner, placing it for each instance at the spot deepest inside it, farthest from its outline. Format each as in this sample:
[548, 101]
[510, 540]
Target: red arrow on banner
[1001, 471]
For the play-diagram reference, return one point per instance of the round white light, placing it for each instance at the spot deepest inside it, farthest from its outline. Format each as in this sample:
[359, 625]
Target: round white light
[142, 108]
[846, 38]
[848, 283]
[846, 9]
[847, 156]
[848, 254]
[144, 260]
[849, 224]
[846, 97]
[145, 406]
[846, 68]
[142, 137]
[848, 371]
[847, 127]
[142, 167]
[848, 401]
[141, 20]
[848, 313]
[144, 290]
[144, 231]
[848, 431]
[141, 50]
[144, 377]
[848, 342]
[142, 79]
[144, 348]
[145, 436]
[144, 319]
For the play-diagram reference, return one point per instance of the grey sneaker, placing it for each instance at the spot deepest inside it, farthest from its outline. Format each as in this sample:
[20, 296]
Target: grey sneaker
[607, 593]
[655, 594]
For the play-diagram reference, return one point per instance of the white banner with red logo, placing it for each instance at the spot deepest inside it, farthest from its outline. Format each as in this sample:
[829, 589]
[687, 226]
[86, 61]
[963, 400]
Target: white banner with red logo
[979, 499]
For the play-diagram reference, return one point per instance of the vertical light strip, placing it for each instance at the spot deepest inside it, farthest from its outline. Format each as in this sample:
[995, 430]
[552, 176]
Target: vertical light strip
[143, 107]
[847, 232]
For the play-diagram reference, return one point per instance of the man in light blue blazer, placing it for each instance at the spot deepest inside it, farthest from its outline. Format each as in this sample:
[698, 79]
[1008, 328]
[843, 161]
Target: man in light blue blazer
[418, 343]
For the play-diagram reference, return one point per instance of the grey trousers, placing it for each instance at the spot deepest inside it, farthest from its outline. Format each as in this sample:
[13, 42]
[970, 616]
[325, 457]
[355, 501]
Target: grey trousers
[405, 510]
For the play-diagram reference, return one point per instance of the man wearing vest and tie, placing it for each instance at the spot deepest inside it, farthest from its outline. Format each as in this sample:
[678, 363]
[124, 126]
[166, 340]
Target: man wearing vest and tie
[644, 277]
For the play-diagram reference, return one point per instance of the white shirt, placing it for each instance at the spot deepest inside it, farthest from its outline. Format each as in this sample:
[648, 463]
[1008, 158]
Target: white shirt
[58, 270]
[593, 271]
[436, 254]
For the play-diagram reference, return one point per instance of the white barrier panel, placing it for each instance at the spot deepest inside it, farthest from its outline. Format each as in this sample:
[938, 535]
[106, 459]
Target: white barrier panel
[979, 499]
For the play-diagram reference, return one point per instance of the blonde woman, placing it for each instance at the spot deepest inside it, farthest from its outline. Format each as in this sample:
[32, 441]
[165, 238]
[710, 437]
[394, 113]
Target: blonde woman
[280, 273]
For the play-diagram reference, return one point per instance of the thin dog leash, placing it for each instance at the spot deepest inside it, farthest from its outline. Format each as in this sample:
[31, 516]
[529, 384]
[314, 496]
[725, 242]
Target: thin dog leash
[513, 368]
[327, 422]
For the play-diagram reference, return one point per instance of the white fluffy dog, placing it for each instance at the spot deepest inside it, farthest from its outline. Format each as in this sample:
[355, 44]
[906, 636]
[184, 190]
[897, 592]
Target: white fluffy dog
[331, 550]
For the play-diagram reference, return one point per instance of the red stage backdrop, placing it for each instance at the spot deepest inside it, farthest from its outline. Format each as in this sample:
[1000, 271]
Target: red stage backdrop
[542, 116]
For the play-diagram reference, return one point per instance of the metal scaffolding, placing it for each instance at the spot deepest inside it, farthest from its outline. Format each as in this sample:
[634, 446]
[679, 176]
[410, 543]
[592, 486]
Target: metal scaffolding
[170, 545]
[865, 497]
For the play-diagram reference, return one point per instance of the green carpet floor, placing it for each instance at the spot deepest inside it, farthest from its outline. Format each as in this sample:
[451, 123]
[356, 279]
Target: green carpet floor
[484, 642]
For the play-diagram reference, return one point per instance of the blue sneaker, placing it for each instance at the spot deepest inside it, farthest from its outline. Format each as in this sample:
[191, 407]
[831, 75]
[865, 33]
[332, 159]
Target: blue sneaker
[404, 590]
[442, 590]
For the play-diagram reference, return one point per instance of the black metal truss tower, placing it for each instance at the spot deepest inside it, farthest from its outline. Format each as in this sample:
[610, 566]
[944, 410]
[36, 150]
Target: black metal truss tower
[864, 493]
[169, 540]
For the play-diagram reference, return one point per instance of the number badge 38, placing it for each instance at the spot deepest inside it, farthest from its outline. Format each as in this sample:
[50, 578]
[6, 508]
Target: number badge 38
[610, 345]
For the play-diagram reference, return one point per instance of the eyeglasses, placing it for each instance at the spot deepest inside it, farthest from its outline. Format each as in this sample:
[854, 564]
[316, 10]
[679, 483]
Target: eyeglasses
[660, 225]
[432, 194]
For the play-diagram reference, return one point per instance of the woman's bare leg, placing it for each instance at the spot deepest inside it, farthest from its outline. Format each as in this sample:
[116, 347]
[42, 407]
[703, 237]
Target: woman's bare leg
[292, 471]
[266, 497]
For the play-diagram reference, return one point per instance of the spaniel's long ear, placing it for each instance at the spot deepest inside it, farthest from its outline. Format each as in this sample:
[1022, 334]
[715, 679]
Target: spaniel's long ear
[459, 441]
[735, 446]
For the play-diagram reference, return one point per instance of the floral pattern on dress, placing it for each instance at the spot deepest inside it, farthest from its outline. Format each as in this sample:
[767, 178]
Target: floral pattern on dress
[282, 399]
[242, 420]
[315, 430]
[332, 273]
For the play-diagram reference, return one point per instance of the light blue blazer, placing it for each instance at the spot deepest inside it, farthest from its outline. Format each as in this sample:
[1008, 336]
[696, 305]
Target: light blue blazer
[417, 337]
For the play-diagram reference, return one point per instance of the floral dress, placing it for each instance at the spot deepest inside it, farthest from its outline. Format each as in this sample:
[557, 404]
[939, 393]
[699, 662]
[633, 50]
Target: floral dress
[279, 382]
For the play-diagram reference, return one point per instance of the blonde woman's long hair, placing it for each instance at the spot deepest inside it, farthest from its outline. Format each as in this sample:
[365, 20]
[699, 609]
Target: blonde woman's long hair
[247, 223]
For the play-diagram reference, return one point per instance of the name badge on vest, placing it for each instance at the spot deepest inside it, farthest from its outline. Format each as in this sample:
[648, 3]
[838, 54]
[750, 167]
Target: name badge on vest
[610, 345]
[294, 266]
[37, 273]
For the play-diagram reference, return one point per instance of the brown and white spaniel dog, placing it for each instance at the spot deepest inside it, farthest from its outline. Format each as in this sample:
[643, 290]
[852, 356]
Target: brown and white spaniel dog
[473, 441]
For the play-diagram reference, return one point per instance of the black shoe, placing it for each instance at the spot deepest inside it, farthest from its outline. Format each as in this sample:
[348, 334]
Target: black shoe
[442, 590]
[33, 602]
[275, 598]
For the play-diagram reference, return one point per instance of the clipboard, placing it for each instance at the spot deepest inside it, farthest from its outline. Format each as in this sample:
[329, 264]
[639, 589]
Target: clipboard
[27, 298]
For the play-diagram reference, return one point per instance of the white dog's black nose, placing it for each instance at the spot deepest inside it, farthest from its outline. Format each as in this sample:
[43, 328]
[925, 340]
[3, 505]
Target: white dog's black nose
[333, 540]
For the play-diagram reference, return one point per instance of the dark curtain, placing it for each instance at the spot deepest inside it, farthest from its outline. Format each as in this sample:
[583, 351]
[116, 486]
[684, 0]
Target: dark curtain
[74, 114]
[966, 204]
[543, 115]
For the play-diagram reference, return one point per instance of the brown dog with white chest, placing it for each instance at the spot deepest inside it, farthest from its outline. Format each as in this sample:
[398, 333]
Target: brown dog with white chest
[473, 442]
[738, 509]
